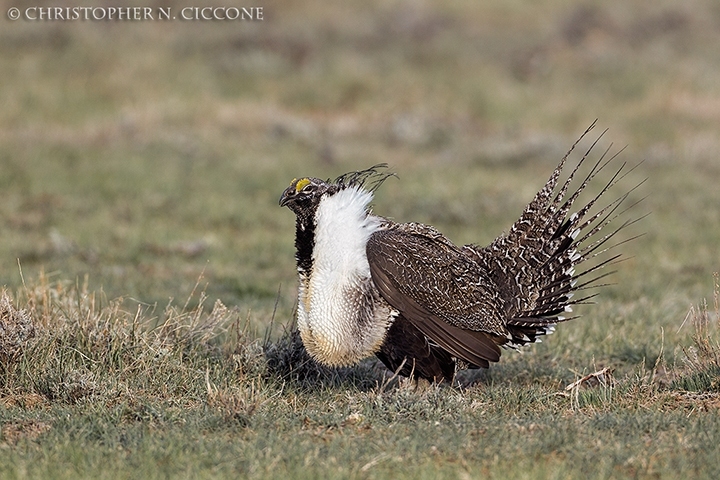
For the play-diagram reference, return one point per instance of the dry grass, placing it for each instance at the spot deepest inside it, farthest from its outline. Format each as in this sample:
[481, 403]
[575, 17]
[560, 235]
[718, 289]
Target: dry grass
[702, 370]
[16, 330]
[139, 157]
[191, 372]
[86, 348]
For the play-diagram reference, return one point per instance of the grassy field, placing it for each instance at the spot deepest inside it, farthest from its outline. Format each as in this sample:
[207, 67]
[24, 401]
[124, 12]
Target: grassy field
[148, 277]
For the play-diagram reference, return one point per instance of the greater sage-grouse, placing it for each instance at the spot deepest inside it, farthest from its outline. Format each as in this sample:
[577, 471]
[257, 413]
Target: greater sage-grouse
[424, 306]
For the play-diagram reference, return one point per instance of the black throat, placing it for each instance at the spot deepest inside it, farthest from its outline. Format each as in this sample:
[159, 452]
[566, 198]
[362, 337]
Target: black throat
[304, 244]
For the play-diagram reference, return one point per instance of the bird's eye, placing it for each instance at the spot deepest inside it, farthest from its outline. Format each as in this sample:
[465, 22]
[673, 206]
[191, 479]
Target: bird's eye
[308, 188]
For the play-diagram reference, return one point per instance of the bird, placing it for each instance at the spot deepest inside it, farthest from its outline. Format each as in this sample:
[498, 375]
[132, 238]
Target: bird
[427, 308]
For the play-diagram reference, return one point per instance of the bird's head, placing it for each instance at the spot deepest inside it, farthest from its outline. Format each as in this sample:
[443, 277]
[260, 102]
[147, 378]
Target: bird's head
[304, 194]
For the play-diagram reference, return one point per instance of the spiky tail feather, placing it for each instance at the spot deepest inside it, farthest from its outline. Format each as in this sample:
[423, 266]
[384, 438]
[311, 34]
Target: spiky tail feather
[534, 264]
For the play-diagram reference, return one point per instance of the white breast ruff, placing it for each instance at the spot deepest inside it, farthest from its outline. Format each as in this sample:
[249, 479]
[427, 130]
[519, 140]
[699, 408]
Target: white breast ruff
[335, 301]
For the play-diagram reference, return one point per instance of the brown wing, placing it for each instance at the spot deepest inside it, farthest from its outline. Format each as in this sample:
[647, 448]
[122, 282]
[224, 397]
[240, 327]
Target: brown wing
[441, 291]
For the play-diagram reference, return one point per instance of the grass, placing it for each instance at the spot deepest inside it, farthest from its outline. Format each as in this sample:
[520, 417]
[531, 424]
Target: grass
[144, 257]
[89, 389]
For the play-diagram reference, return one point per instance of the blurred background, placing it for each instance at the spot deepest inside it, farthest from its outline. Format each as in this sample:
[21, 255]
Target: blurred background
[143, 157]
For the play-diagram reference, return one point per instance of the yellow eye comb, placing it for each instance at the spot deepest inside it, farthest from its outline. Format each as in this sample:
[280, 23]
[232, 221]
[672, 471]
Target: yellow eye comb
[302, 183]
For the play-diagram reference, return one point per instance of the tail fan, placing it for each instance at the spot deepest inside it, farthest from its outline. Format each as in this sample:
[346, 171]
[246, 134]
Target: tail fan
[535, 263]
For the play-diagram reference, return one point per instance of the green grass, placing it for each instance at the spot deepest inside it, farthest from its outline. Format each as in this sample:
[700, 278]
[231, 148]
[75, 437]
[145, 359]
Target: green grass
[140, 168]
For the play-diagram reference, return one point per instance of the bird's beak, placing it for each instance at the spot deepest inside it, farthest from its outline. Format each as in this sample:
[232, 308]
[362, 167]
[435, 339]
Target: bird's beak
[287, 196]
